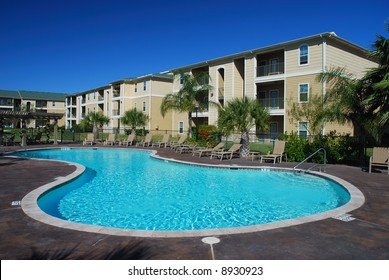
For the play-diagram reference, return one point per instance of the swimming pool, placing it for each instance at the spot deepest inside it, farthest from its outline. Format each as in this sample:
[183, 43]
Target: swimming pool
[130, 190]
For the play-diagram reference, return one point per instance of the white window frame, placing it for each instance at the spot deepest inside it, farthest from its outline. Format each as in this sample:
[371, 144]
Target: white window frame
[181, 79]
[53, 103]
[306, 130]
[180, 127]
[299, 92]
[144, 106]
[299, 57]
[136, 87]
[144, 85]
[135, 105]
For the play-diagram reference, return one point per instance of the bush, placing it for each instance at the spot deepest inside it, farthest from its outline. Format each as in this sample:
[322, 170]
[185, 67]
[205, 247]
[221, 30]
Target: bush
[339, 148]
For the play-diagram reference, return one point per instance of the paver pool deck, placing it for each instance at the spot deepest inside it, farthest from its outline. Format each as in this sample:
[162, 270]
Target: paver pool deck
[365, 237]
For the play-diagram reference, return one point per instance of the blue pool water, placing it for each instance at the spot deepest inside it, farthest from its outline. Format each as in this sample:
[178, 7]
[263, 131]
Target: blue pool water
[129, 189]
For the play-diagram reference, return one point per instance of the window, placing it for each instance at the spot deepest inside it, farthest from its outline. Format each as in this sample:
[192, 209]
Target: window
[136, 87]
[144, 85]
[135, 106]
[303, 93]
[144, 106]
[303, 129]
[94, 95]
[304, 55]
[181, 79]
[53, 103]
[273, 131]
[181, 127]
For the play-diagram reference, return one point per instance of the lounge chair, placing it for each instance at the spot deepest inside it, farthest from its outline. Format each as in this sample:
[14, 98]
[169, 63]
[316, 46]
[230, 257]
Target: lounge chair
[110, 140]
[130, 140]
[180, 142]
[189, 148]
[379, 158]
[163, 142]
[278, 152]
[206, 151]
[88, 139]
[146, 142]
[234, 150]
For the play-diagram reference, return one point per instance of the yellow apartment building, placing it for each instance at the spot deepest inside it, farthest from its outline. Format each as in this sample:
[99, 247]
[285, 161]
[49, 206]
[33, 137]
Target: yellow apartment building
[21, 100]
[277, 75]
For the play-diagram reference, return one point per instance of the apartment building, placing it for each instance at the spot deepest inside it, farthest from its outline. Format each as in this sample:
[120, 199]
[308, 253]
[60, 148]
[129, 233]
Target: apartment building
[21, 100]
[144, 93]
[277, 75]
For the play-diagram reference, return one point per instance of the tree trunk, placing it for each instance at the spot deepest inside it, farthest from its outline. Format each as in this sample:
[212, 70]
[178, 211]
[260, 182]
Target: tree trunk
[95, 133]
[245, 141]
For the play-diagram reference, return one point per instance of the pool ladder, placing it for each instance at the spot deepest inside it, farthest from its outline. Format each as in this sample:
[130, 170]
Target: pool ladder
[321, 166]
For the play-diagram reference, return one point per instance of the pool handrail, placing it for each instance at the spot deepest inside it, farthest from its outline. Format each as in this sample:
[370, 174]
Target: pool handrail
[311, 155]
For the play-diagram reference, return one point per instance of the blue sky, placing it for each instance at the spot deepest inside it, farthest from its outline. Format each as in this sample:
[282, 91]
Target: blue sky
[72, 46]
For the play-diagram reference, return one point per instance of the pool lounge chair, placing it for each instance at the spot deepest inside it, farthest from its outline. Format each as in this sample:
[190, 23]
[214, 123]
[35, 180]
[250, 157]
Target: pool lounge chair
[180, 142]
[110, 140]
[88, 139]
[234, 150]
[130, 140]
[146, 142]
[278, 153]
[208, 150]
[379, 158]
[163, 142]
[189, 148]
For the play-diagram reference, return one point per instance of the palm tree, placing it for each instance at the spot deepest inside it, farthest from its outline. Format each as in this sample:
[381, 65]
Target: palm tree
[192, 97]
[242, 114]
[376, 84]
[134, 119]
[96, 120]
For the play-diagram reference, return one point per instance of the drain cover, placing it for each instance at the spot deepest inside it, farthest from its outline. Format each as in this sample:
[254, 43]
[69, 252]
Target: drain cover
[210, 240]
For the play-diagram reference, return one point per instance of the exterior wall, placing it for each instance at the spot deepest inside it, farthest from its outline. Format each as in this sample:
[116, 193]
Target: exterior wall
[355, 62]
[292, 55]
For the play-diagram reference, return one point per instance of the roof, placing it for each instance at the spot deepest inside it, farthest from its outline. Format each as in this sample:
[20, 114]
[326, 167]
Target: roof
[328, 35]
[33, 95]
[29, 115]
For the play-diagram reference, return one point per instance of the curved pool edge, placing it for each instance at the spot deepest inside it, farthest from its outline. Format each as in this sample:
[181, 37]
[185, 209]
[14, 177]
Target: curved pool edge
[31, 208]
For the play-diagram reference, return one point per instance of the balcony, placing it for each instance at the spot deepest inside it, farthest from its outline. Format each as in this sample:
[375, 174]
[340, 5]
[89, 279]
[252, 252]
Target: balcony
[116, 93]
[115, 112]
[274, 105]
[270, 69]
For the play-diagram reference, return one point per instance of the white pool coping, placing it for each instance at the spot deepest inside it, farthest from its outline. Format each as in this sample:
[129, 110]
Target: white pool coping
[30, 207]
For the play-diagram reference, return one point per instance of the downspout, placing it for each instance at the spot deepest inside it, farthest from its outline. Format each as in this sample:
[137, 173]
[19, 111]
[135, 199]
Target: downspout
[323, 68]
[150, 105]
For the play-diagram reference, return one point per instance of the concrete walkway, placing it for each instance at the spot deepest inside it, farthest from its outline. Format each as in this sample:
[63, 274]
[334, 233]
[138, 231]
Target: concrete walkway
[366, 237]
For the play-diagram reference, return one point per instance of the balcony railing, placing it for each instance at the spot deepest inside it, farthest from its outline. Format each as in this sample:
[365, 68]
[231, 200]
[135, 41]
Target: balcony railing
[270, 69]
[115, 112]
[272, 103]
[100, 98]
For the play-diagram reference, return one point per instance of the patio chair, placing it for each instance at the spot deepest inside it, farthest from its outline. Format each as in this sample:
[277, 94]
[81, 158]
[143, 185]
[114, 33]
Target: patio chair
[189, 148]
[111, 140]
[278, 153]
[208, 150]
[234, 150]
[146, 142]
[88, 139]
[130, 140]
[180, 142]
[379, 158]
[163, 142]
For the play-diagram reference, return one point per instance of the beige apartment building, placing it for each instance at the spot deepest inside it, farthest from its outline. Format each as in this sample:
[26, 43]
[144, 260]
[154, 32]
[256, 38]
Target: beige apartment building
[21, 100]
[277, 75]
